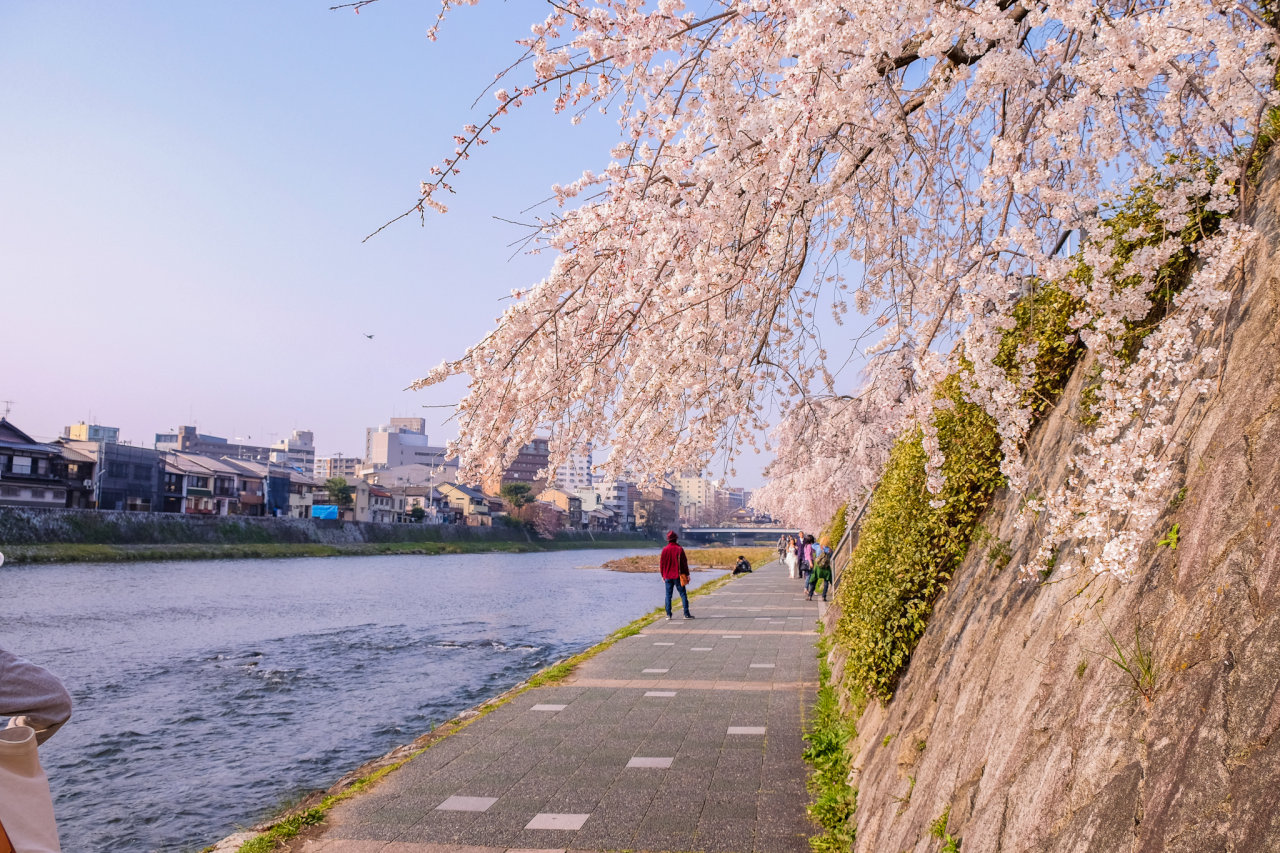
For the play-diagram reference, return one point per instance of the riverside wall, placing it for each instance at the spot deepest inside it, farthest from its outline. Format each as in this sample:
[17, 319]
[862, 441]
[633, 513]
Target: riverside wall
[1015, 728]
[23, 526]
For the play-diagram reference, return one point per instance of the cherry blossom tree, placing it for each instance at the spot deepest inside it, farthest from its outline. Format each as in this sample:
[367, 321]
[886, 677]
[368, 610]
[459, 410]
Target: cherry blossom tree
[907, 167]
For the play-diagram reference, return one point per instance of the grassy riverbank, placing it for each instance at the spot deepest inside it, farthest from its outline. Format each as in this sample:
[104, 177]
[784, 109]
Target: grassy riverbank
[700, 559]
[62, 552]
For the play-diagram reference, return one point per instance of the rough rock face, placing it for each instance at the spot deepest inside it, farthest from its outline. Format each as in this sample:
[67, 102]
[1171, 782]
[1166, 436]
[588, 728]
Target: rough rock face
[1009, 713]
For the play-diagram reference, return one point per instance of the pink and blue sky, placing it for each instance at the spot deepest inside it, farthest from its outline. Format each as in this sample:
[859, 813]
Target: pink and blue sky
[183, 192]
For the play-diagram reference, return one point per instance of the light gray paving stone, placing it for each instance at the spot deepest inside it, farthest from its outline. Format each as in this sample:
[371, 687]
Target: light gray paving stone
[466, 804]
[659, 763]
[655, 671]
[551, 820]
[662, 694]
[548, 707]
[746, 730]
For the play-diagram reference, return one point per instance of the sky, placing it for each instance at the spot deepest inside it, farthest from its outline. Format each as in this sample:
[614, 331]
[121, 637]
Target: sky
[184, 190]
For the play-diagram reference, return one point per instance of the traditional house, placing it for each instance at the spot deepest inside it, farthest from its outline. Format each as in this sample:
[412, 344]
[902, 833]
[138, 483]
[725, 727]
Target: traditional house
[567, 501]
[471, 503]
[30, 472]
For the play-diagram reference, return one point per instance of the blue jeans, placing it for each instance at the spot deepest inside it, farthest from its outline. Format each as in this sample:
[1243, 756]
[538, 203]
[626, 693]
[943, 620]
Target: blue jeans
[674, 583]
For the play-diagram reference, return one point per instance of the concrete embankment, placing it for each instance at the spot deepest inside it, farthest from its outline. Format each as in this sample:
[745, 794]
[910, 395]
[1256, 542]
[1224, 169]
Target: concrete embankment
[36, 535]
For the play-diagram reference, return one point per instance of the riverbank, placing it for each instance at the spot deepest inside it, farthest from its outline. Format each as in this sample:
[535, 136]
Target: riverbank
[289, 828]
[779, 825]
[700, 559]
[64, 552]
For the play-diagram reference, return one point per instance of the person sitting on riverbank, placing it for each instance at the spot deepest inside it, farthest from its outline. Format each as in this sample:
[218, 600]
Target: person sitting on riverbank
[675, 572]
[743, 567]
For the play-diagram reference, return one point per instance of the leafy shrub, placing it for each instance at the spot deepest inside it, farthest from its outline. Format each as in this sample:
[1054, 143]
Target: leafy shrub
[908, 548]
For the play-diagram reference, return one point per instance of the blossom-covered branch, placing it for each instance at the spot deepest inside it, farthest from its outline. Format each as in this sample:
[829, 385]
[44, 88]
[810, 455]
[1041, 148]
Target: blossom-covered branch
[916, 163]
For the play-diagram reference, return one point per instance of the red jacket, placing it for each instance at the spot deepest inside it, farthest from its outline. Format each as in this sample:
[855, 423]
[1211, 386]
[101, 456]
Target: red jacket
[673, 562]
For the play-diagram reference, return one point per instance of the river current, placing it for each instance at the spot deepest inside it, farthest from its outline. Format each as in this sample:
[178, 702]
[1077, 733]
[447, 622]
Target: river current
[208, 693]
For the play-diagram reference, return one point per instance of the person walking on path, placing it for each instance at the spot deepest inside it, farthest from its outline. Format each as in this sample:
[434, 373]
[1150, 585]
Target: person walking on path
[821, 570]
[806, 557]
[791, 559]
[675, 572]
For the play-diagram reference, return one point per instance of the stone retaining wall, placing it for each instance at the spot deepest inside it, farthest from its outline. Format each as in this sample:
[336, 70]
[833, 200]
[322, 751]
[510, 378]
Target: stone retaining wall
[25, 526]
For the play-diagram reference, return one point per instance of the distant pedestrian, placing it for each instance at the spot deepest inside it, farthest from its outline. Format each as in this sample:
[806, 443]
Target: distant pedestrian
[821, 570]
[675, 572]
[743, 567]
[792, 557]
[806, 556]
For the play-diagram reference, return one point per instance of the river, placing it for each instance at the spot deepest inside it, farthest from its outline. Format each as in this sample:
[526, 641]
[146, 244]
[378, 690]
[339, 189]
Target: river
[207, 693]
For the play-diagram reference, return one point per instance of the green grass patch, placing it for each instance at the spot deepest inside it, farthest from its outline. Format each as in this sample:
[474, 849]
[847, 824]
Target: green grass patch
[834, 800]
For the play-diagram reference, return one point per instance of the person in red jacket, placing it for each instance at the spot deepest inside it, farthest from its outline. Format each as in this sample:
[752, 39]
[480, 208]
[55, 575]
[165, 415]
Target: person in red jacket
[675, 568]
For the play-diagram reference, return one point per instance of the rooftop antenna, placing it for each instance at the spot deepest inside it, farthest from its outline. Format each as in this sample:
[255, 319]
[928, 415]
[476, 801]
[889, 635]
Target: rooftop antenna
[8, 406]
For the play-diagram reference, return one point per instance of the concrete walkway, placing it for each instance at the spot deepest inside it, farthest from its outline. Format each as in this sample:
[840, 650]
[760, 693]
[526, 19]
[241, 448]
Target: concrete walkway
[684, 737]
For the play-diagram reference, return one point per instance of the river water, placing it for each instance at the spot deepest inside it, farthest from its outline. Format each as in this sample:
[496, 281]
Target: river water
[206, 693]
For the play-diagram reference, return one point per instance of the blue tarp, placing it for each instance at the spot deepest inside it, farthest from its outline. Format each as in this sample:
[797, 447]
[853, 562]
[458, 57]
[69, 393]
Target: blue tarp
[325, 511]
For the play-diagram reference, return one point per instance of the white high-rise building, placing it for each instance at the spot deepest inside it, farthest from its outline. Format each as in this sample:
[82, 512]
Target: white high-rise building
[575, 474]
[404, 441]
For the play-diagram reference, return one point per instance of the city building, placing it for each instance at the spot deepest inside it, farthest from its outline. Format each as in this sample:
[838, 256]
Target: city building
[575, 474]
[78, 469]
[125, 477]
[186, 439]
[416, 474]
[525, 468]
[264, 488]
[297, 451]
[471, 503]
[700, 499]
[204, 485]
[435, 507]
[30, 472]
[658, 509]
[619, 497]
[91, 432]
[404, 441]
[346, 467]
[570, 503]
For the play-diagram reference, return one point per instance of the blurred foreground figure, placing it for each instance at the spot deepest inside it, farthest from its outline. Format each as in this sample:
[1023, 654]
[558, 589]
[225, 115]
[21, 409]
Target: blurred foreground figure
[37, 705]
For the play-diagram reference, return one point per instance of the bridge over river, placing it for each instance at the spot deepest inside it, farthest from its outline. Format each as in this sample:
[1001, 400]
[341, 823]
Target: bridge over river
[740, 535]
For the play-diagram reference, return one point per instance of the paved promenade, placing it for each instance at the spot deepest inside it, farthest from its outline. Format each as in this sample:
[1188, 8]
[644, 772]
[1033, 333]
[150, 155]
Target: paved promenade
[685, 737]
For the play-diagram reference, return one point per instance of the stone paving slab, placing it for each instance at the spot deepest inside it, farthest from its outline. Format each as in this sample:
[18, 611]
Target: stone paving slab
[646, 747]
